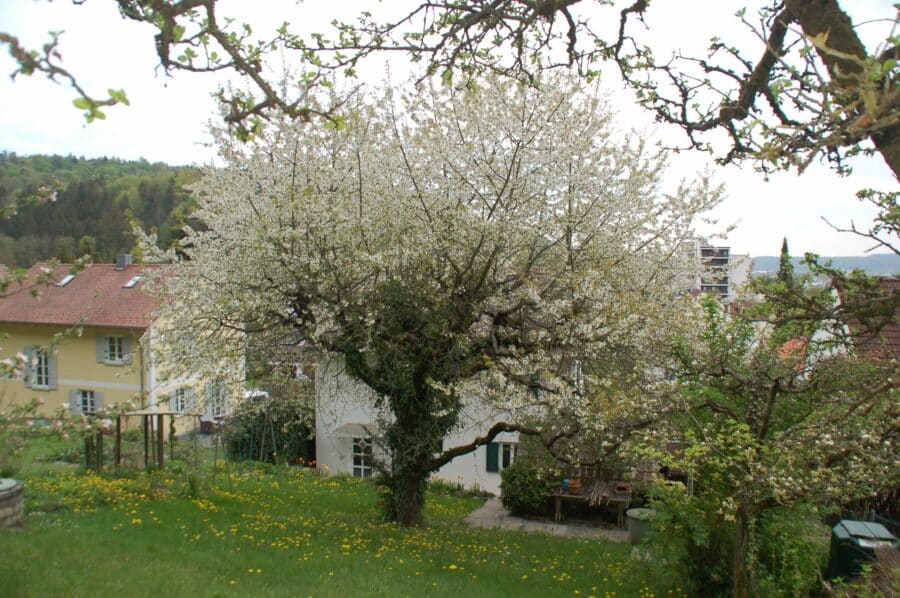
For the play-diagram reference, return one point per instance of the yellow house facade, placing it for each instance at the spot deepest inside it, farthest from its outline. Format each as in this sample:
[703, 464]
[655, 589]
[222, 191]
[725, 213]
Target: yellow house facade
[82, 368]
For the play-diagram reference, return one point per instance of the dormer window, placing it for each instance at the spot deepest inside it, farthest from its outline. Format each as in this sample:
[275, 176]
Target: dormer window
[68, 278]
[134, 280]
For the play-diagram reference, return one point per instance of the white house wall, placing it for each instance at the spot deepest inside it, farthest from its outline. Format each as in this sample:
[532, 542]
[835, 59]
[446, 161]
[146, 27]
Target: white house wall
[341, 400]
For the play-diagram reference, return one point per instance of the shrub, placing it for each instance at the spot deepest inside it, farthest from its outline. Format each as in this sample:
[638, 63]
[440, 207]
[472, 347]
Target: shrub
[688, 533]
[525, 488]
[269, 429]
[880, 578]
[791, 551]
[456, 490]
[789, 545]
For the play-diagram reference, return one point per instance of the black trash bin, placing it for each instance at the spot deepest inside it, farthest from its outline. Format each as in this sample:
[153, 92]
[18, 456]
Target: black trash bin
[853, 544]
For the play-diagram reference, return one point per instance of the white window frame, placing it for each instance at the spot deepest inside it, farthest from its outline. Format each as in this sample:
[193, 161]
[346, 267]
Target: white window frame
[41, 369]
[361, 449]
[179, 400]
[87, 400]
[216, 399]
[507, 454]
[114, 351]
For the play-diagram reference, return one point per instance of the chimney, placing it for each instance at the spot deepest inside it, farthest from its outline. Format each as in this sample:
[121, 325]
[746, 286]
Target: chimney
[123, 260]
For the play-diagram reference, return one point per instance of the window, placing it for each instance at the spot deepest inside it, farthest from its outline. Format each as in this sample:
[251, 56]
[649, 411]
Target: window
[42, 369]
[183, 400]
[134, 280]
[88, 401]
[114, 350]
[507, 454]
[362, 457]
[68, 278]
[500, 455]
[216, 399]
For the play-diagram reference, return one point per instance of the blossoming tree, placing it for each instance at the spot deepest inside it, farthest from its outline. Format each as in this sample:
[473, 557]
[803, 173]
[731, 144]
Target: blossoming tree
[789, 401]
[443, 242]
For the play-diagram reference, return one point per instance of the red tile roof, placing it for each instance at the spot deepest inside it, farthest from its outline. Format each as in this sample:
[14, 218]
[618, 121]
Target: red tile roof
[887, 341]
[95, 297]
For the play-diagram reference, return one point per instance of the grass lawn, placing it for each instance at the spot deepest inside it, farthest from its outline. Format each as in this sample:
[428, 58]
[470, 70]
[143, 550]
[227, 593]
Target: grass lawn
[265, 531]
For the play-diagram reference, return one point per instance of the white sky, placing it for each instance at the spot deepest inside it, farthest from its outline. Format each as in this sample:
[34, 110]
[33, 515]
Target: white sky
[168, 117]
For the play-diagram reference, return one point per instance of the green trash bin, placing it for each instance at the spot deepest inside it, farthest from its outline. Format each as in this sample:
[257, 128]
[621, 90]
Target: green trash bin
[853, 544]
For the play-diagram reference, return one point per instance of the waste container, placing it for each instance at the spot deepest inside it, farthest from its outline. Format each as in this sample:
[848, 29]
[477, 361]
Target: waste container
[853, 544]
[639, 520]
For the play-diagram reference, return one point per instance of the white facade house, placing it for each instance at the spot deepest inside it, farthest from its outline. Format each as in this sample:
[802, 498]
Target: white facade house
[348, 429]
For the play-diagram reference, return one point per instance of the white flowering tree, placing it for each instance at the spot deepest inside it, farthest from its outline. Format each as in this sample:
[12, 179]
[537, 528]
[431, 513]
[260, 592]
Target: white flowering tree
[443, 242]
[790, 401]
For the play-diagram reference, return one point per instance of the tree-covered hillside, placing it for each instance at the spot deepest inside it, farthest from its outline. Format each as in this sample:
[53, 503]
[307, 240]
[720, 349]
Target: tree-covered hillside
[65, 207]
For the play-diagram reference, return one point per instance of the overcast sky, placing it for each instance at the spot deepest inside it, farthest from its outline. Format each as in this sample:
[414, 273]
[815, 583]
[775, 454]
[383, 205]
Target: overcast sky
[168, 117]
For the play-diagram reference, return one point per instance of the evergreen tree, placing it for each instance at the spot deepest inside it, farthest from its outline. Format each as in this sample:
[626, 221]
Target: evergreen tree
[785, 266]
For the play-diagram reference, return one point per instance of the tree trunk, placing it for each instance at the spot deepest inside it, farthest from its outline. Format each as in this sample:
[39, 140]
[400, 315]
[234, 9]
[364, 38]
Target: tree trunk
[409, 498]
[410, 453]
[741, 587]
[825, 16]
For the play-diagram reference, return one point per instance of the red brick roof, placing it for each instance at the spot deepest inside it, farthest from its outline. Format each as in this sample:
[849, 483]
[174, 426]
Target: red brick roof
[887, 342]
[95, 297]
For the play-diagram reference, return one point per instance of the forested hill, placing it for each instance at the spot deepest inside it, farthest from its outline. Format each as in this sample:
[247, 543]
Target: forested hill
[64, 207]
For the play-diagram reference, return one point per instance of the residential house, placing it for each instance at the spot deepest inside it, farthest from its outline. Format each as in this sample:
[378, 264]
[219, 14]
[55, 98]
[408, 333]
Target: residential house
[85, 336]
[349, 426]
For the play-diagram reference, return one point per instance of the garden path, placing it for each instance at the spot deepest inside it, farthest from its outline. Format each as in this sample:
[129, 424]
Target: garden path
[492, 515]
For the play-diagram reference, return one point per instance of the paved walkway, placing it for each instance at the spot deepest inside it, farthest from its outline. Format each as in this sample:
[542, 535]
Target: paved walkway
[493, 516]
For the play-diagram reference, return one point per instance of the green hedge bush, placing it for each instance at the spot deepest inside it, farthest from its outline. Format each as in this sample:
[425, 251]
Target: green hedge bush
[525, 488]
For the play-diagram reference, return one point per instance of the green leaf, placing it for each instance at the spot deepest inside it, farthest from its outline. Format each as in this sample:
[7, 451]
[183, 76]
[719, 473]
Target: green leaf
[82, 103]
[118, 95]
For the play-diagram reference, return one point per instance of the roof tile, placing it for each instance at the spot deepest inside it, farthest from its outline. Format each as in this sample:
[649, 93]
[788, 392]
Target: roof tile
[95, 297]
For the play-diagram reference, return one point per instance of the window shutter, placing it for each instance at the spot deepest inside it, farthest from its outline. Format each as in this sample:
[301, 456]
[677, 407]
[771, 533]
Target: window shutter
[98, 401]
[493, 457]
[30, 354]
[51, 369]
[101, 349]
[75, 401]
[126, 349]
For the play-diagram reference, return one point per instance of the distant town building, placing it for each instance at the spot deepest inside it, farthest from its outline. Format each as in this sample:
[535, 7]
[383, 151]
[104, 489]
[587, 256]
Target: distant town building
[716, 270]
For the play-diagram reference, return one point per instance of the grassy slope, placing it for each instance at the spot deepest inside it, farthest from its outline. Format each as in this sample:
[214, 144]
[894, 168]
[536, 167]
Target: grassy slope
[284, 533]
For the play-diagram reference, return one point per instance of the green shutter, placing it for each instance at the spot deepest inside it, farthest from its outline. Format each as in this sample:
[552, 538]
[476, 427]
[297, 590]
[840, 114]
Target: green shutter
[101, 349]
[98, 400]
[493, 457]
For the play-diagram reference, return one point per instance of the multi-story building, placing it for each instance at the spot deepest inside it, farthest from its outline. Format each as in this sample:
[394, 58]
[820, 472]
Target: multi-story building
[85, 335]
[716, 270]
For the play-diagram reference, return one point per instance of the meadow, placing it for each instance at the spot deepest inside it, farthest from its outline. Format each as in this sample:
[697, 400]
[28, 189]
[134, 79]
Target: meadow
[261, 530]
